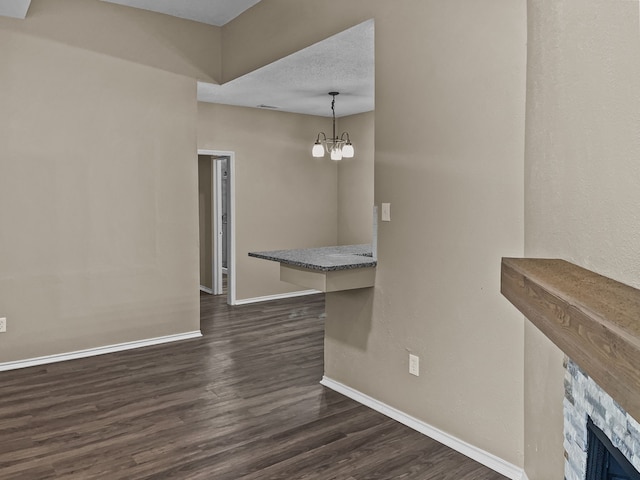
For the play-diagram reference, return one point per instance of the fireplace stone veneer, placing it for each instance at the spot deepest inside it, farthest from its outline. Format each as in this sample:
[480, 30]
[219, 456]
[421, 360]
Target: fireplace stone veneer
[585, 399]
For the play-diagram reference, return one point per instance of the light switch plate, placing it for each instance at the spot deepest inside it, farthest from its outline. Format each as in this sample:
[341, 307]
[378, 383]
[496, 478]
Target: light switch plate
[414, 365]
[386, 212]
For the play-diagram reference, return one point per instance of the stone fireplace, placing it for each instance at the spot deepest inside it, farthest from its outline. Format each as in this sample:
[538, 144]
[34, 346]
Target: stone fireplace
[595, 321]
[584, 400]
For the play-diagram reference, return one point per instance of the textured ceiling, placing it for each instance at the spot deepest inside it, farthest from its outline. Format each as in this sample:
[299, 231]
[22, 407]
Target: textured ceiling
[14, 8]
[300, 82]
[213, 12]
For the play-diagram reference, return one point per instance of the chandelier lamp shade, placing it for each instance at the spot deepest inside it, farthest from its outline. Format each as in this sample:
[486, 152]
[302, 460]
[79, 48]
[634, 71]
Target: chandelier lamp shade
[337, 147]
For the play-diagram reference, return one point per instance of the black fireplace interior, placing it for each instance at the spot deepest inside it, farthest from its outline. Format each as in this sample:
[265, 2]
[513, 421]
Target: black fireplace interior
[604, 460]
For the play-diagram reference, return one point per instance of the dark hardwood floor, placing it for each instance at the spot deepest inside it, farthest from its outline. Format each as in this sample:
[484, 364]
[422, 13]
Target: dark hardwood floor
[241, 403]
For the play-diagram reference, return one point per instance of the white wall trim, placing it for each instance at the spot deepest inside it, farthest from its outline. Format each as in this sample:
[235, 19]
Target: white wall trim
[92, 352]
[280, 296]
[231, 246]
[485, 458]
[524, 476]
[206, 290]
[216, 229]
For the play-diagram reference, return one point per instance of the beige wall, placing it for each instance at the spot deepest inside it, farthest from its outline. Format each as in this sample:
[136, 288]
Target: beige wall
[146, 38]
[285, 198]
[449, 142]
[205, 215]
[582, 174]
[98, 189]
[355, 181]
[120, 261]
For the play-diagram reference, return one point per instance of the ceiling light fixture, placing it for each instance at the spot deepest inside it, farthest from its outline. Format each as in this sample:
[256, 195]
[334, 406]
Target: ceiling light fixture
[337, 148]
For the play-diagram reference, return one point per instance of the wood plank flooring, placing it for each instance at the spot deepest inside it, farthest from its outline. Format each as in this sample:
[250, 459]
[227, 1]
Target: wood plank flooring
[241, 403]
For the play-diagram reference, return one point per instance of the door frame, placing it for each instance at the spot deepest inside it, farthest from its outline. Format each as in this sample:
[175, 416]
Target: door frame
[216, 224]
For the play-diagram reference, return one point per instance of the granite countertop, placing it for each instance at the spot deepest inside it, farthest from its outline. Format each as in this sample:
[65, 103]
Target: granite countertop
[325, 259]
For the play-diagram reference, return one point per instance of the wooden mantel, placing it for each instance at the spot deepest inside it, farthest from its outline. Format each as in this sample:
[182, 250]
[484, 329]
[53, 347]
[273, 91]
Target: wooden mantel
[595, 320]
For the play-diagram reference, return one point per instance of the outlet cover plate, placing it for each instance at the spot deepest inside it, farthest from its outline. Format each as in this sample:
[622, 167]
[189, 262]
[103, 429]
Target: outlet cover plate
[3, 325]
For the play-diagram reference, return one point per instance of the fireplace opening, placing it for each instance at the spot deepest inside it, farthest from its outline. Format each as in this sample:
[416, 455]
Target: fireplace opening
[604, 460]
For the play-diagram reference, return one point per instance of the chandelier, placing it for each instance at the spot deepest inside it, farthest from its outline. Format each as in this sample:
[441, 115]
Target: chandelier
[337, 147]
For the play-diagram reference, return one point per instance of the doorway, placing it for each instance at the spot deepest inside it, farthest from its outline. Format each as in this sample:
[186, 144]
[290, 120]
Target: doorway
[217, 221]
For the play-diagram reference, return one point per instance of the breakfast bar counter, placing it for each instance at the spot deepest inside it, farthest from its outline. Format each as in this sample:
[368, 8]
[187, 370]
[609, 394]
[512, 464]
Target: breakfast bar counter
[327, 269]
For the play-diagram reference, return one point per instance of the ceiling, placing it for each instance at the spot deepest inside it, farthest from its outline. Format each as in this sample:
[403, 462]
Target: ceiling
[212, 12]
[298, 83]
[14, 8]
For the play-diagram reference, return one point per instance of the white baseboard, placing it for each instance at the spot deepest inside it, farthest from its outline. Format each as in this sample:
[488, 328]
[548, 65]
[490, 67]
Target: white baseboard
[485, 458]
[279, 296]
[206, 290]
[92, 352]
[524, 476]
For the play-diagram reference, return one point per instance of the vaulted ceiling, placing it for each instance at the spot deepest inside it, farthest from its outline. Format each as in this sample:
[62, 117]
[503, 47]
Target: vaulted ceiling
[14, 8]
[213, 12]
[298, 83]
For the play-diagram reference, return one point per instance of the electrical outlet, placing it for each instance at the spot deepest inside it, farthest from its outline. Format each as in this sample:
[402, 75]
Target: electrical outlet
[414, 365]
[3, 325]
